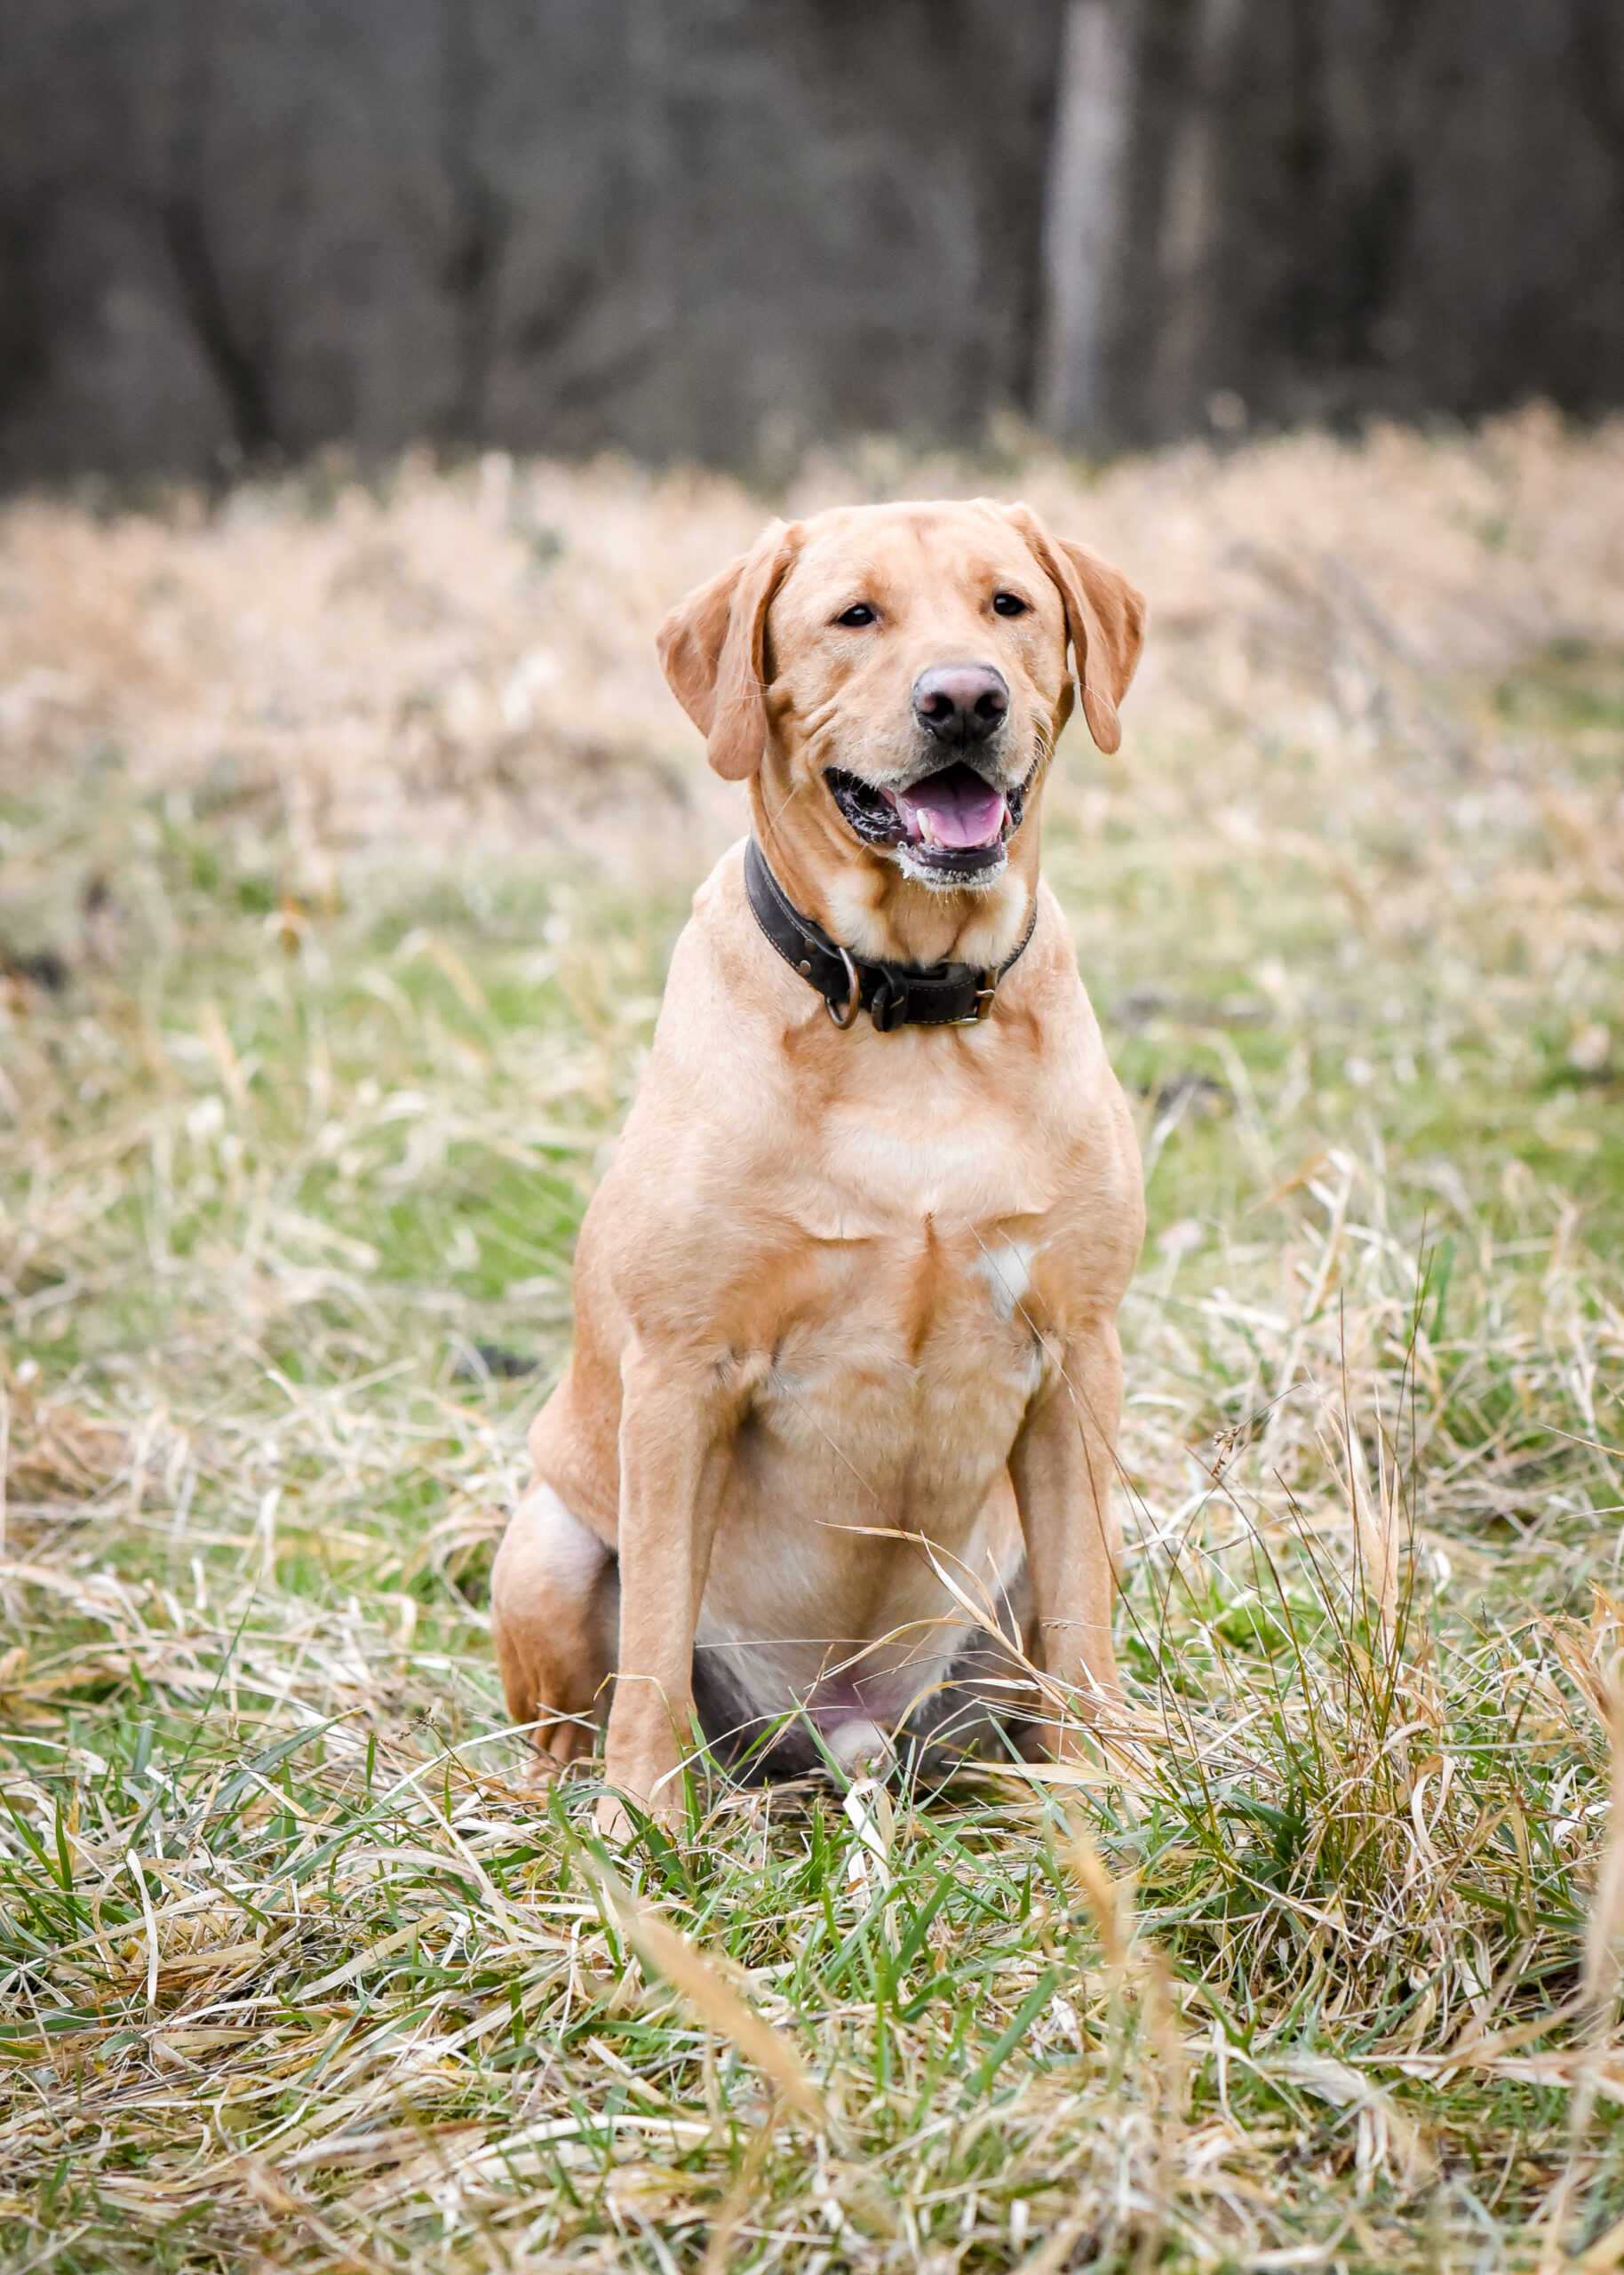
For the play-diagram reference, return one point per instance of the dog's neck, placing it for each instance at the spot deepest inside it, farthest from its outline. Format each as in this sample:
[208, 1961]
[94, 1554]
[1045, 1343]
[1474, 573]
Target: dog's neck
[863, 900]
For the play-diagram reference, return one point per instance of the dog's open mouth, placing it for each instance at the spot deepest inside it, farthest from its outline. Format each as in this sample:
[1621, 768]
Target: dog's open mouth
[951, 820]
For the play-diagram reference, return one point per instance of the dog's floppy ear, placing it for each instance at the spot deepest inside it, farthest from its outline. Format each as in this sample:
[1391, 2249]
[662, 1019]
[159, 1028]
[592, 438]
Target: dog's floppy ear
[1104, 617]
[712, 646]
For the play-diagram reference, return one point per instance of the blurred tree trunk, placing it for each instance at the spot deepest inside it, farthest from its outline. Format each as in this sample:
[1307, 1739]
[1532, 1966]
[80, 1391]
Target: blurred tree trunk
[1083, 222]
[1179, 357]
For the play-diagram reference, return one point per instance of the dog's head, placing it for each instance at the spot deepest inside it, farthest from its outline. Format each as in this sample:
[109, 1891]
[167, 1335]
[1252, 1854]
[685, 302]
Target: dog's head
[895, 678]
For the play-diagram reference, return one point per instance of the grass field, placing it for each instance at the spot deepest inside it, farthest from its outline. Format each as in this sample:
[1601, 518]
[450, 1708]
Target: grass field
[347, 827]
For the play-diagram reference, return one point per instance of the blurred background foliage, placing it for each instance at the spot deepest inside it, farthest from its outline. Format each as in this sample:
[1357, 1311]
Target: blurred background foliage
[718, 230]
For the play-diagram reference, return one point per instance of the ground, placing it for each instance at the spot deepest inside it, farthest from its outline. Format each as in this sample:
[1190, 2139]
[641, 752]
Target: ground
[346, 829]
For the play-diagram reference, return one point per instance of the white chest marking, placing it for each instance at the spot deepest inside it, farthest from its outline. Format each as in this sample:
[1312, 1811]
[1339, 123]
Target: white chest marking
[1007, 1272]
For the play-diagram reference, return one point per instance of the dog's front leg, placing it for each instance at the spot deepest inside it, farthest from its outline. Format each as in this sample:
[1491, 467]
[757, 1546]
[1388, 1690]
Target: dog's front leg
[677, 1427]
[1062, 1465]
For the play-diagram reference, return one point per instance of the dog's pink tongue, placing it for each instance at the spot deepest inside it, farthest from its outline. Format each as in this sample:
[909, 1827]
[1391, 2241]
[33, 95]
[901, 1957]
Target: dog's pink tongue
[954, 809]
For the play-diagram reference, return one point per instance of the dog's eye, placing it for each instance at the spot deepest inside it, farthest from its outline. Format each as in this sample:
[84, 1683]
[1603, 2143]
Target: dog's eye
[860, 613]
[1009, 604]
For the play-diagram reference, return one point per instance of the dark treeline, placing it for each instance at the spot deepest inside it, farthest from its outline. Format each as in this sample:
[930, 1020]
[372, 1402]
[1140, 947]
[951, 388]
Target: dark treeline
[234, 230]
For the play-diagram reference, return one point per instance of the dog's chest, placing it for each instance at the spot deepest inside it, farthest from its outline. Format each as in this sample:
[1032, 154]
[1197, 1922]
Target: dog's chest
[908, 1175]
[912, 1323]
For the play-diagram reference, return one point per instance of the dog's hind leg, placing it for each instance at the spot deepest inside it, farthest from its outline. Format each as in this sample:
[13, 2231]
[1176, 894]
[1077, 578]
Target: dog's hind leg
[554, 1613]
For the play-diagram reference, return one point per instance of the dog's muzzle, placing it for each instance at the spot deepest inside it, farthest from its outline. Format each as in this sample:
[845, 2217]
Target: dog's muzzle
[953, 820]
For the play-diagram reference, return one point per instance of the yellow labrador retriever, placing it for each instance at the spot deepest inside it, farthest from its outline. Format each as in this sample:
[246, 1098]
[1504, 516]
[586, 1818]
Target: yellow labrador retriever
[846, 1359]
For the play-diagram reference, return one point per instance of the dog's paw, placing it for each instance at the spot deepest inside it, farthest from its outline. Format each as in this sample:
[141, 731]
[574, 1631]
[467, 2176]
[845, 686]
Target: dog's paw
[861, 1748]
[611, 1822]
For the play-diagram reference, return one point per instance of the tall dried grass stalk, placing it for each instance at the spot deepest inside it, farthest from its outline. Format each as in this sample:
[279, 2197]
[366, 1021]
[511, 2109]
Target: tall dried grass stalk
[1606, 1921]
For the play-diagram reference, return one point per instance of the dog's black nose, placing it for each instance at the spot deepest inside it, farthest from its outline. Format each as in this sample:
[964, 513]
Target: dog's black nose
[961, 703]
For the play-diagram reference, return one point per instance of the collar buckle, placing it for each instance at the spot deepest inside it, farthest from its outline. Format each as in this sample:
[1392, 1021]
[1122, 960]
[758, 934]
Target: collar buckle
[853, 1000]
[984, 995]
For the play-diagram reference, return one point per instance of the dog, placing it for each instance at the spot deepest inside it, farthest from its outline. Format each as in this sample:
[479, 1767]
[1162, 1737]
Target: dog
[845, 1380]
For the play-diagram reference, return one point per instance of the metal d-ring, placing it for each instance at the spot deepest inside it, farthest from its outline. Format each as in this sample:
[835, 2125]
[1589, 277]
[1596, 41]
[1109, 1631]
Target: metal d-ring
[854, 1002]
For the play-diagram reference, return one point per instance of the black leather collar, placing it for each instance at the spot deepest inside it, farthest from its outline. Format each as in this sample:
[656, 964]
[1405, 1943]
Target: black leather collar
[893, 994]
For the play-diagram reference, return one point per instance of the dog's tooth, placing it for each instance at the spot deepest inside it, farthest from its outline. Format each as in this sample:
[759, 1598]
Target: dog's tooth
[927, 828]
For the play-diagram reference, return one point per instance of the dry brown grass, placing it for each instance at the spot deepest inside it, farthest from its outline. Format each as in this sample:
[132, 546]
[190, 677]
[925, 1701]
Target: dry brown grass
[358, 822]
